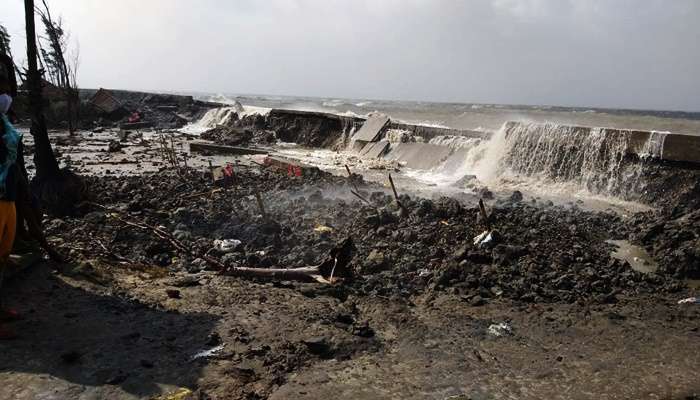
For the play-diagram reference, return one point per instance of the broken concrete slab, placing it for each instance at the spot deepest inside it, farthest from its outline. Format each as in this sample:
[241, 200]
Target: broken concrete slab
[419, 155]
[372, 128]
[292, 168]
[683, 148]
[104, 100]
[204, 147]
[374, 149]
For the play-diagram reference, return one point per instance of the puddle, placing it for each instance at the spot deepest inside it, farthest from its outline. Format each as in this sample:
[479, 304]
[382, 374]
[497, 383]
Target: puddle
[693, 283]
[636, 256]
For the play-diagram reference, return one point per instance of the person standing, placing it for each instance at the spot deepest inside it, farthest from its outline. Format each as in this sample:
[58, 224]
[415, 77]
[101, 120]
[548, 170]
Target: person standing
[9, 141]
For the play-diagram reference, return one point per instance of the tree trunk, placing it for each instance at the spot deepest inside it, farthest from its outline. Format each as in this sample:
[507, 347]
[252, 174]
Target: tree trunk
[58, 190]
[44, 159]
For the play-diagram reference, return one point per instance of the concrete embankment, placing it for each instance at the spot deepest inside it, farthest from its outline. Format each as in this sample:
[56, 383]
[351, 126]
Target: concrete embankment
[663, 146]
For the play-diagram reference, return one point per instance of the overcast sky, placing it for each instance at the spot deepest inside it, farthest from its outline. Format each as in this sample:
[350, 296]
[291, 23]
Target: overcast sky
[610, 53]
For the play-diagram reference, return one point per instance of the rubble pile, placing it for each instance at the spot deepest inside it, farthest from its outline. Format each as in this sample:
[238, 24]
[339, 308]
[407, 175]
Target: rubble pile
[673, 242]
[250, 129]
[536, 253]
[137, 110]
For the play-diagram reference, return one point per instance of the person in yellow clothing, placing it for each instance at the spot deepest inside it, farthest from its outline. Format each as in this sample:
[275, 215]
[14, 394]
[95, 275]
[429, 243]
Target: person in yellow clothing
[9, 140]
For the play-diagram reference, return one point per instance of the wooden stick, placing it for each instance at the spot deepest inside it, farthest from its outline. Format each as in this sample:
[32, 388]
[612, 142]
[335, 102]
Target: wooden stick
[112, 253]
[484, 215]
[396, 196]
[360, 197]
[260, 204]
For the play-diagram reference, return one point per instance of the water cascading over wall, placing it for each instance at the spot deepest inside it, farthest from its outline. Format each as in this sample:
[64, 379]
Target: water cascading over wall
[599, 160]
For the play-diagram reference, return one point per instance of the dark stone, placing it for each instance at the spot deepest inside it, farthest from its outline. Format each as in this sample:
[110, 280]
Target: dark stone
[477, 301]
[71, 357]
[461, 253]
[318, 346]
[516, 197]
[504, 254]
[114, 146]
[363, 329]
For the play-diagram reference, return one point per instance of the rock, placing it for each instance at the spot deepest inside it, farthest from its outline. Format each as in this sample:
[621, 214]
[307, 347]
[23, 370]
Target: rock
[376, 260]
[504, 254]
[213, 340]
[118, 378]
[461, 253]
[182, 235]
[71, 357]
[516, 197]
[607, 298]
[479, 257]
[185, 281]
[477, 301]
[485, 194]
[146, 363]
[424, 207]
[318, 345]
[182, 214]
[114, 146]
[362, 329]
[446, 207]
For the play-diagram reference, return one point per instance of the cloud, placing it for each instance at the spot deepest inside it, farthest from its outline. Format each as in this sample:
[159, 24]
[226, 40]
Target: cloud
[626, 53]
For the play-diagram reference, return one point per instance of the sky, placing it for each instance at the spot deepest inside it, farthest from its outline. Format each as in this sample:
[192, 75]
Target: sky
[595, 53]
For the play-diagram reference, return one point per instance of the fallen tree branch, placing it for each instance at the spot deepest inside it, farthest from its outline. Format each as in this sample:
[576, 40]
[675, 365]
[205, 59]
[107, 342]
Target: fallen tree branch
[179, 246]
[111, 253]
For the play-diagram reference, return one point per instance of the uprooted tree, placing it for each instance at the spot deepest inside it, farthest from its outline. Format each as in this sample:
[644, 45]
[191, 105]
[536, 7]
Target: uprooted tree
[57, 189]
[60, 70]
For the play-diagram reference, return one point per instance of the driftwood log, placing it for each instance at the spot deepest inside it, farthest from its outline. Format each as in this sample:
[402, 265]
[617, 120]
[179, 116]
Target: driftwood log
[334, 268]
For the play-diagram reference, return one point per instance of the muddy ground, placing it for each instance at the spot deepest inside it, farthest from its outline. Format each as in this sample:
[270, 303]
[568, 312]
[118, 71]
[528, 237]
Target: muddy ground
[541, 311]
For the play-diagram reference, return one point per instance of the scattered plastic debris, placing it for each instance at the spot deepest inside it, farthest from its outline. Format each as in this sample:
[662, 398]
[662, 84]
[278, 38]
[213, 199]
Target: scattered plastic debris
[483, 239]
[208, 353]
[423, 272]
[690, 300]
[179, 394]
[323, 229]
[501, 329]
[227, 245]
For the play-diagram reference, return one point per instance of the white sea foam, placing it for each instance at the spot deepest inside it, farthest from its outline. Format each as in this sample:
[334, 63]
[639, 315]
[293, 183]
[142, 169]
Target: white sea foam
[551, 159]
[222, 116]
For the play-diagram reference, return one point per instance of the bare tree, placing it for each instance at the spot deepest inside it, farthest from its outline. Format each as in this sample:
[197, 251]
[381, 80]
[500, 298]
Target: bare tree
[5, 42]
[59, 68]
[6, 50]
